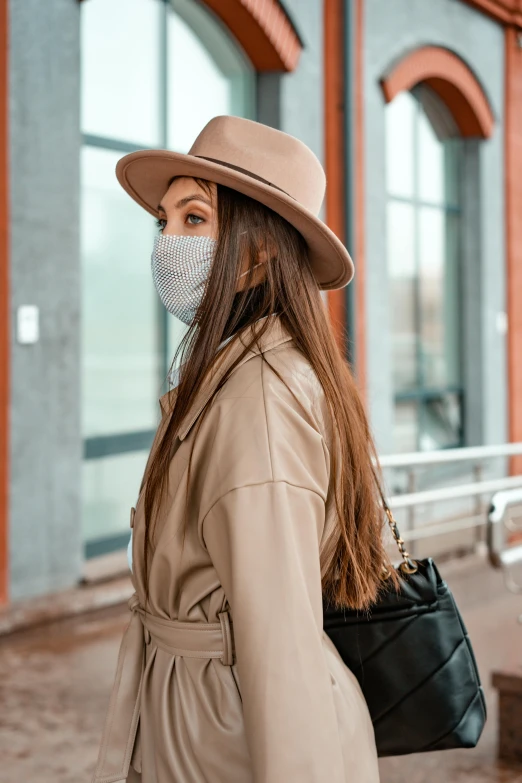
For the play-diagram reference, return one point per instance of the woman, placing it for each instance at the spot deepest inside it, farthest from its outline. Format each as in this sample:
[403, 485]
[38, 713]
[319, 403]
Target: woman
[258, 497]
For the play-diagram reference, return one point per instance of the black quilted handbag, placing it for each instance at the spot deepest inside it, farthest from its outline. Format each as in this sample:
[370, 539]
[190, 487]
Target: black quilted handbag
[413, 659]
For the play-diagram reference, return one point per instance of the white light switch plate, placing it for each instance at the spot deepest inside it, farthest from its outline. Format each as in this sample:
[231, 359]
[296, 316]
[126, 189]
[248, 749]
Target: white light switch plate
[502, 322]
[27, 325]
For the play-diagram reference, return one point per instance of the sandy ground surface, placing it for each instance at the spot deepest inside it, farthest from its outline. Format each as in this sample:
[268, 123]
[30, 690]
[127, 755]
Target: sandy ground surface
[55, 683]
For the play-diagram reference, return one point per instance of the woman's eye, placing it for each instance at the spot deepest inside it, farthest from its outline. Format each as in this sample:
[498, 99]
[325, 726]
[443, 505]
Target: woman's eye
[195, 220]
[160, 222]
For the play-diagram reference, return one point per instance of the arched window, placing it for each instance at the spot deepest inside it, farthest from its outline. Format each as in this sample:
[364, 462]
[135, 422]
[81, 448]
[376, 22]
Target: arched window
[423, 240]
[153, 73]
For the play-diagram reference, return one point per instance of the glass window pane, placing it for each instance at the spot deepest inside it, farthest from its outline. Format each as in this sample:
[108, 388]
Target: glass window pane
[207, 75]
[432, 242]
[424, 277]
[439, 297]
[405, 427]
[440, 423]
[120, 69]
[110, 487]
[121, 358]
[452, 301]
[402, 280]
[400, 119]
[430, 162]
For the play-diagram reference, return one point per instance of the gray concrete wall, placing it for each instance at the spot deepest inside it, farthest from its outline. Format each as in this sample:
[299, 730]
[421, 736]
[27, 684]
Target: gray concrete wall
[391, 30]
[45, 536]
[293, 102]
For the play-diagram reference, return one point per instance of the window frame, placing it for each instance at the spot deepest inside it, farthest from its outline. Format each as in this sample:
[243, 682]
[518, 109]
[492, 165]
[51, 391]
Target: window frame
[421, 394]
[122, 443]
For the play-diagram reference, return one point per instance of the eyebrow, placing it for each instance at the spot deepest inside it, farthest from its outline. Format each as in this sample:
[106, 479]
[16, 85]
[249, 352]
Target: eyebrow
[184, 201]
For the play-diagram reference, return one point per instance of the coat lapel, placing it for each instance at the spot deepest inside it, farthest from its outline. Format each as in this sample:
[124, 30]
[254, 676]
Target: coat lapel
[275, 335]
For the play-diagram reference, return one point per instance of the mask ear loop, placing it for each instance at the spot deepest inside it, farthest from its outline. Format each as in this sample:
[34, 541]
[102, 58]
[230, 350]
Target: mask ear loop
[248, 270]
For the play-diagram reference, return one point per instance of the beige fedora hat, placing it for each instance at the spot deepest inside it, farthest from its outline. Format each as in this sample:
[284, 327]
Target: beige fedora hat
[266, 164]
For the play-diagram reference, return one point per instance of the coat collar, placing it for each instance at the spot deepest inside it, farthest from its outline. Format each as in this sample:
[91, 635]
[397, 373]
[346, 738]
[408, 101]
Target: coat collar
[275, 335]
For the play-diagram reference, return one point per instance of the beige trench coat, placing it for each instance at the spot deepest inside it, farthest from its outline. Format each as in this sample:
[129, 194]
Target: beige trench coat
[229, 676]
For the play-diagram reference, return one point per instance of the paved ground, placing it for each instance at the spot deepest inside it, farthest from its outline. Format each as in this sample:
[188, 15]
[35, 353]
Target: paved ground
[54, 686]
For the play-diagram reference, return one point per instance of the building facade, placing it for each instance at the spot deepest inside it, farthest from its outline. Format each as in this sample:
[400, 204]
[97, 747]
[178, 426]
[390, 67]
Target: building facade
[414, 108]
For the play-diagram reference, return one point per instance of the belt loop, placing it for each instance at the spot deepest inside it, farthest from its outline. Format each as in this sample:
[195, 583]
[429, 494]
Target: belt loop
[227, 658]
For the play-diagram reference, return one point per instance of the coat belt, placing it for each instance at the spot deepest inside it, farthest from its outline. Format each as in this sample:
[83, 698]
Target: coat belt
[190, 640]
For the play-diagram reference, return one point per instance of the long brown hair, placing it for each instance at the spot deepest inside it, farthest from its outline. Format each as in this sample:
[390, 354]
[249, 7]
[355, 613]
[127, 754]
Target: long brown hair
[353, 564]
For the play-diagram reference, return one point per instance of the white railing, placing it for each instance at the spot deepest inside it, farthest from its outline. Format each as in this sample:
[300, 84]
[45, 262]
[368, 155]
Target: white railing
[412, 499]
[450, 455]
[503, 536]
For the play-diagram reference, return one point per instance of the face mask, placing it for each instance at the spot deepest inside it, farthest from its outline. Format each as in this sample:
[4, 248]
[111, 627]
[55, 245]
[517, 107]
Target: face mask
[180, 268]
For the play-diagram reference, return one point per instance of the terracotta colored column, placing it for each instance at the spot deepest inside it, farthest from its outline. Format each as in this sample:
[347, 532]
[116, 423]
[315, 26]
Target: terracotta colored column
[335, 148]
[337, 153]
[4, 301]
[359, 199]
[513, 169]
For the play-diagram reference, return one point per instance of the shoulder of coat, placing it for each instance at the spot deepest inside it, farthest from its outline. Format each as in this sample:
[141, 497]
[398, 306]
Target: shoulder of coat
[278, 375]
[296, 369]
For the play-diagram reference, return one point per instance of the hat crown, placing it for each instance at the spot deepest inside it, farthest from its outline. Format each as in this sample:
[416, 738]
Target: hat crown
[275, 157]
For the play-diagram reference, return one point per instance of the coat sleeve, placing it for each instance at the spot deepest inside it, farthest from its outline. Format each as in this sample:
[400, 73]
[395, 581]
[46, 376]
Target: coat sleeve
[264, 543]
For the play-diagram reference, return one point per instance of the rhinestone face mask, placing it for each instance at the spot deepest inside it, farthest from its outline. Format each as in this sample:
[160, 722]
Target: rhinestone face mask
[180, 268]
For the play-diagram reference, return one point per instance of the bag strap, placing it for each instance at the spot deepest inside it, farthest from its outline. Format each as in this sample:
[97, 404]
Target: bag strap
[408, 566]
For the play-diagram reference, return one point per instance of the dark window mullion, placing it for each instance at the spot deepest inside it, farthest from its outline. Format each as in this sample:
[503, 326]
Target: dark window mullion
[100, 446]
[460, 288]
[416, 286]
[419, 202]
[426, 392]
[108, 143]
[104, 546]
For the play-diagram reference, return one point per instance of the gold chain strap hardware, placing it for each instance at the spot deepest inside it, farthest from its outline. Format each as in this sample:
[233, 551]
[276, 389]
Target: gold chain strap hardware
[408, 566]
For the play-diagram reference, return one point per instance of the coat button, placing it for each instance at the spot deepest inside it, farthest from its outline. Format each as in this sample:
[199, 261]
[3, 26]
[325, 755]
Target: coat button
[132, 512]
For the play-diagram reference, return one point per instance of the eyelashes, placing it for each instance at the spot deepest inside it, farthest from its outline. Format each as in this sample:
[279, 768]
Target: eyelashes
[191, 219]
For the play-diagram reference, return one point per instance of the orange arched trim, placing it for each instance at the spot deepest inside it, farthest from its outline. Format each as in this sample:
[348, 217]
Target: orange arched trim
[264, 31]
[509, 12]
[452, 80]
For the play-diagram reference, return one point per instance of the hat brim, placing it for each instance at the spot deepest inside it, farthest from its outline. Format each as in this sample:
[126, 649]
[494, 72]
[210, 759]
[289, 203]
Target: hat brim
[145, 174]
